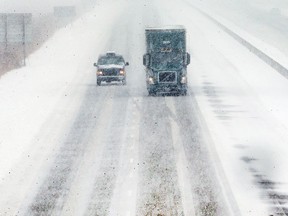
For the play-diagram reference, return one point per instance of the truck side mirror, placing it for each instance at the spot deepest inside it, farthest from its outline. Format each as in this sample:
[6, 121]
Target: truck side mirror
[146, 60]
[127, 63]
[95, 64]
[187, 59]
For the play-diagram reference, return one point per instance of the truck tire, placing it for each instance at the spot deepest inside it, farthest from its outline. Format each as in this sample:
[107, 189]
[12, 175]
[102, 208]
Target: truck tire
[98, 82]
[183, 92]
[151, 93]
[124, 82]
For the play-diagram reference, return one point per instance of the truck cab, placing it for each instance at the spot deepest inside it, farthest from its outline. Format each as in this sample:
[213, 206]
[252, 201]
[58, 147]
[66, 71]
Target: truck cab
[166, 60]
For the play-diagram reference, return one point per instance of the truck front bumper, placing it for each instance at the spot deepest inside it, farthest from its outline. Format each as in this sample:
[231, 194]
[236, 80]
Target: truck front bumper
[110, 78]
[167, 88]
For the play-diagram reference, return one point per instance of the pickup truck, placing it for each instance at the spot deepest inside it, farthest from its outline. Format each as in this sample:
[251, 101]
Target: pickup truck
[111, 67]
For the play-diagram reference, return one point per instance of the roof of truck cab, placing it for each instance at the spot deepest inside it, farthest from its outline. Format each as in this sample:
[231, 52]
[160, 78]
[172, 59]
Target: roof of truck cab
[110, 56]
[163, 28]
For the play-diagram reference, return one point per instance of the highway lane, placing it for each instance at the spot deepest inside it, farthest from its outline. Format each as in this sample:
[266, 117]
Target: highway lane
[92, 173]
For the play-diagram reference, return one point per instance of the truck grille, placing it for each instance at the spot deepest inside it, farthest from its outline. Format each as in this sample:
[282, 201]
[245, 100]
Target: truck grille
[167, 77]
[110, 72]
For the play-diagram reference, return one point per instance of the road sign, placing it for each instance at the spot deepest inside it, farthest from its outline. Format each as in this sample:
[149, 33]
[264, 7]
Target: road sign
[15, 27]
[64, 11]
[3, 28]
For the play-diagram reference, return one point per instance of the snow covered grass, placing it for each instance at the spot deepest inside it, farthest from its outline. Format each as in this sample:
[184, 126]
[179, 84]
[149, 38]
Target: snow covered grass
[268, 49]
[262, 22]
[270, 6]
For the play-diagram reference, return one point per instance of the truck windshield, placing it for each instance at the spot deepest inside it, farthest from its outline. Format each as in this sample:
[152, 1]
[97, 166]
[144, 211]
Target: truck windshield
[167, 61]
[111, 60]
[166, 49]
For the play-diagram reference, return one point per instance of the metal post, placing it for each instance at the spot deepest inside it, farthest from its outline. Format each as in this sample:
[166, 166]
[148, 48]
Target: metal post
[24, 40]
[6, 34]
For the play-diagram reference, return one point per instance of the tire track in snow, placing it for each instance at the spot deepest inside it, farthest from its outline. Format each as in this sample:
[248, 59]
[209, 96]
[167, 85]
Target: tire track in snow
[55, 188]
[209, 199]
[124, 197]
[80, 189]
[104, 183]
[159, 192]
[125, 192]
[39, 151]
[184, 180]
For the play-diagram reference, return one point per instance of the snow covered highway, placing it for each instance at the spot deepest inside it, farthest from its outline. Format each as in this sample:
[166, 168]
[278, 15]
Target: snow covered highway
[70, 147]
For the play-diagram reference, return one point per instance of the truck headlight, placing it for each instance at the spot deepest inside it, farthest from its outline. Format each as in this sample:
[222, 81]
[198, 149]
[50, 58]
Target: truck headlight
[183, 80]
[151, 80]
[99, 73]
[121, 72]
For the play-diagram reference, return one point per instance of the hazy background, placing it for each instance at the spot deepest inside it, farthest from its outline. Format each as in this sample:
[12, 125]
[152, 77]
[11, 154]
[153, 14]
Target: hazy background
[44, 24]
[47, 6]
[39, 6]
[266, 20]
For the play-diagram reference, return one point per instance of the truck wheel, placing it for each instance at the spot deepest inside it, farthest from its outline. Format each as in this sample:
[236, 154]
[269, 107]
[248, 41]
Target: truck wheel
[183, 92]
[98, 82]
[124, 82]
[151, 93]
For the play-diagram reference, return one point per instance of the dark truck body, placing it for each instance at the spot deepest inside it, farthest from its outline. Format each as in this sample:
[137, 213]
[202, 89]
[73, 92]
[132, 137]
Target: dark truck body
[166, 60]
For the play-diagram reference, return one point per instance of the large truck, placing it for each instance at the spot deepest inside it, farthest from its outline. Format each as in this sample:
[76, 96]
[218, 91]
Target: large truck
[166, 60]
